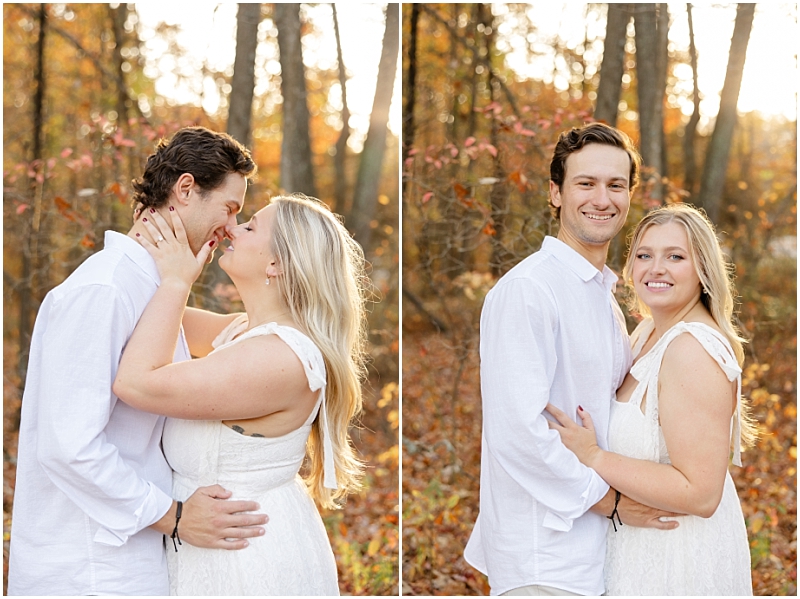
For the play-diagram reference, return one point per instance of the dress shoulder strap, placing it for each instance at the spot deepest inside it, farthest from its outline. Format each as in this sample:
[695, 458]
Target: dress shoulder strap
[235, 327]
[640, 336]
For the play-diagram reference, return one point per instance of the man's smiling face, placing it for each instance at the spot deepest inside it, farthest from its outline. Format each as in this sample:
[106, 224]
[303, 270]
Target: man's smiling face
[206, 216]
[595, 196]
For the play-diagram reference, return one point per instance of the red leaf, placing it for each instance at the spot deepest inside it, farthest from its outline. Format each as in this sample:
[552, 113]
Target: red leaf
[427, 197]
[61, 203]
[21, 208]
[492, 150]
[489, 229]
[469, 141]
[87, 241]
[520, 179]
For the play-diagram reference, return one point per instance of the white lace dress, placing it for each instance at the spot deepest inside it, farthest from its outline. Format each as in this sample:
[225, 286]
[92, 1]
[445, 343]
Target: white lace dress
[703, 556]
[294, 557]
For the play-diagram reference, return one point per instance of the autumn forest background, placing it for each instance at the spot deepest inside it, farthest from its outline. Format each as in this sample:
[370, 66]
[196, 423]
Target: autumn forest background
[88, 89]
[314, 90]
[487, 89]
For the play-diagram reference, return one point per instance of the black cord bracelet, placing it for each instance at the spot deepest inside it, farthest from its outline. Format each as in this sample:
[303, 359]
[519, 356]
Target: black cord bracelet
[176, 537]
[611, 517]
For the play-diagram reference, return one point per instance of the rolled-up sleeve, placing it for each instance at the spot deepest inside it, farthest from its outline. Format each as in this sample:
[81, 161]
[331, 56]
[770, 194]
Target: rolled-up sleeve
[519, 357]
[86, 332]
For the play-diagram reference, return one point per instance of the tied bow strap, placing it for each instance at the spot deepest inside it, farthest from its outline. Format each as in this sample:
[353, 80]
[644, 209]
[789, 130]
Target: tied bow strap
[328, 463]
[316, 379]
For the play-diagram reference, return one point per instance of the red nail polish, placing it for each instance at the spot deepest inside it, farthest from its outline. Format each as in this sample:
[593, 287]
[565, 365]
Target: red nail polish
[211, 243]
[144, 219]
[580, 409]
[171, 208]
[152, 210]
[137, 235]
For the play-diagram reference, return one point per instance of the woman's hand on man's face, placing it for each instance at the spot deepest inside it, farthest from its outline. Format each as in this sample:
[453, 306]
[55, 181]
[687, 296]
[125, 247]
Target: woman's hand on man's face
[169, 247]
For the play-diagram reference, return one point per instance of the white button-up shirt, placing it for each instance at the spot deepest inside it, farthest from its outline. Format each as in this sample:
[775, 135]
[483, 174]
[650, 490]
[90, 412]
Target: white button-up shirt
[551, 331]
[91, 476]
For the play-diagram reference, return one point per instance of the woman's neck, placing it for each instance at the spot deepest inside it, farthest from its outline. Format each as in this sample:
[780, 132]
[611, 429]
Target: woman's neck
[665, 320]
[264, 304]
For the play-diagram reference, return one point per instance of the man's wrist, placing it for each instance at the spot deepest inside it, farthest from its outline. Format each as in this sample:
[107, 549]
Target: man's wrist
[606, 505]
[166, 523]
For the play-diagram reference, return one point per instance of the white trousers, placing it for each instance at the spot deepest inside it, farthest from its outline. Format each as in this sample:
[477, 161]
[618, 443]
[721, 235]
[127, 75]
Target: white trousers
[538, 590]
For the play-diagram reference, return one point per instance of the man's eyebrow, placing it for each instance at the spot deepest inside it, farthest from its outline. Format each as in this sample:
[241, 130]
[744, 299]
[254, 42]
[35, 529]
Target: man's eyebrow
[595, 178]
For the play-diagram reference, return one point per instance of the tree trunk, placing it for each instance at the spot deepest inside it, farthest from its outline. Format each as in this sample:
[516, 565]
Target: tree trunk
[651, 90]
[613, 65]
[716, 164]
[117, 17]
[240, 100]
[30, 241]
[661, 65]
[369, 171]
[689, 159]
[339, 162]
[240, 108]
[498, 197]
[297, 171]
[410, 95]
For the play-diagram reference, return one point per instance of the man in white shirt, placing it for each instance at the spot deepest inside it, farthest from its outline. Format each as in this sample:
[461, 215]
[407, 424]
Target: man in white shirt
[93, 492]
[552, 331]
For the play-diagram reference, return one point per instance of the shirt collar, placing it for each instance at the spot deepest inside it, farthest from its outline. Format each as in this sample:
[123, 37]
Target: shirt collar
[134, 251]
[578, 264]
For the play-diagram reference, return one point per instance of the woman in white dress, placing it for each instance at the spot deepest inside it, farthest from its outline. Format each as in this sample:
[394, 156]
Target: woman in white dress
[677, 418]
[267, 390]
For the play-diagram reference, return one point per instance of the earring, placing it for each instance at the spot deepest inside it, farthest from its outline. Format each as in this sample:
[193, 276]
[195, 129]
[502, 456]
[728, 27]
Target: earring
[267, 280]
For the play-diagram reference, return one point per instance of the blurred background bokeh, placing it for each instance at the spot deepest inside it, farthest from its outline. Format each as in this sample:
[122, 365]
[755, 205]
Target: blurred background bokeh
[312, 90]
[708, 93]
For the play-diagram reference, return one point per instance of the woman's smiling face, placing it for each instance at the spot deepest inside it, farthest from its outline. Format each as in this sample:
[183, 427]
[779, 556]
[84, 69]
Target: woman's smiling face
[664, 273]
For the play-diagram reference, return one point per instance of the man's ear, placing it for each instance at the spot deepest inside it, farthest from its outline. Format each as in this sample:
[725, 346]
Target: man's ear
[183, 188]
[555, 194]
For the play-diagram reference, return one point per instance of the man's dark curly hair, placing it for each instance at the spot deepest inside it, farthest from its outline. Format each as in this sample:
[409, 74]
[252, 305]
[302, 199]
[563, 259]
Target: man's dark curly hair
[594, 133]
[207, 155]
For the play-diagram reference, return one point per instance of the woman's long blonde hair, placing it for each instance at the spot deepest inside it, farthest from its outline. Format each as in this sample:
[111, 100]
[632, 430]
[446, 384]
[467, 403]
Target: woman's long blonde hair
[324, 284]
[715, 273]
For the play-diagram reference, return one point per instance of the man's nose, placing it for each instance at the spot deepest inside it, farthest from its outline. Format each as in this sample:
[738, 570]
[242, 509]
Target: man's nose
[230, 226]
[601, 198]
